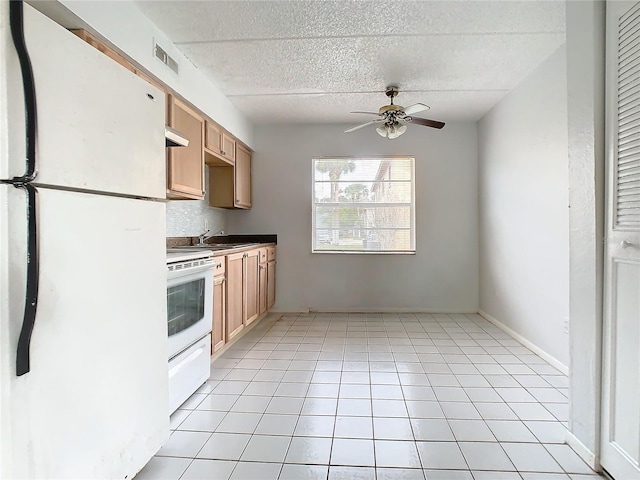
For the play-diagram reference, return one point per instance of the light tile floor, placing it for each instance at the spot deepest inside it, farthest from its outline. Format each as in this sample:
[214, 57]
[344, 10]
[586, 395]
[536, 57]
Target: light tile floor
[374, 396]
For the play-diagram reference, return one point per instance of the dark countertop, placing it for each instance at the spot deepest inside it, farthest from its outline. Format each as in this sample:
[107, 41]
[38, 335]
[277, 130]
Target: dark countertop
[256, 241]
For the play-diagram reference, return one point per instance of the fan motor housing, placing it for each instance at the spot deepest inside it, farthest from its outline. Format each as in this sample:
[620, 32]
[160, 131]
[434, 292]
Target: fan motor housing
[389, 108]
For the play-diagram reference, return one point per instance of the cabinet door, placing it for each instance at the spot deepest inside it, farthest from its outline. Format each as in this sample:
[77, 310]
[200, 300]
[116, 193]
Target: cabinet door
[235, 294]
[271, 284]
[243, 177]
[213, 138]
[228, 149]
[218, 331]
[185, 165]
[263, 288]
[251, 284]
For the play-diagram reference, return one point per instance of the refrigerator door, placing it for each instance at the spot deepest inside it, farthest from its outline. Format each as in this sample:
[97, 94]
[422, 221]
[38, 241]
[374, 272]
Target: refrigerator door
[100, 127]
[94, 404]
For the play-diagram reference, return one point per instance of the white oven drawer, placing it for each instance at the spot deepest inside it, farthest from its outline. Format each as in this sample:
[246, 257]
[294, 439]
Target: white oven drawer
[188, 371]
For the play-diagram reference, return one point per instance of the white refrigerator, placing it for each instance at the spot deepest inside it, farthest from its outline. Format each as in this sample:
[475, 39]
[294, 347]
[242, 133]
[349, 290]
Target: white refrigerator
[86, 396]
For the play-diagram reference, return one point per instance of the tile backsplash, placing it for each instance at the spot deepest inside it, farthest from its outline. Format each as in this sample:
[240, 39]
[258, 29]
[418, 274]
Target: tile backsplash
[186, 218]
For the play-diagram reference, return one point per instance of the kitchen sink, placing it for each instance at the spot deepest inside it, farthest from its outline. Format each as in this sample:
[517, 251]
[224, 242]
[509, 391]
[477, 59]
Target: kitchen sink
[219, 246]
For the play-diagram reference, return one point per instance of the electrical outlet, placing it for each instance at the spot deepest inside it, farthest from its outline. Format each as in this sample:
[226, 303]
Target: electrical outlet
[565, 325]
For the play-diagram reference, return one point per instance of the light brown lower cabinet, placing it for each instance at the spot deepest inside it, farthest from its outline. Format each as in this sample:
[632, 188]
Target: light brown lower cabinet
[247, 291]
[262, 282]
[251, 285]
[235, 294]
[271, 284]
[219, 323]
[271, 277]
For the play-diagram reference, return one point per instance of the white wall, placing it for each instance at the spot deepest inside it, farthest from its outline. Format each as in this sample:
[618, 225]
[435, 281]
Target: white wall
[585, 66]
[442, 276]
[524, 217]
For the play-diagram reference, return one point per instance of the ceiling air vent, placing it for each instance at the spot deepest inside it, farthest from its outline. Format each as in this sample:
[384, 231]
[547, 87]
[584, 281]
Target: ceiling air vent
[165, 58]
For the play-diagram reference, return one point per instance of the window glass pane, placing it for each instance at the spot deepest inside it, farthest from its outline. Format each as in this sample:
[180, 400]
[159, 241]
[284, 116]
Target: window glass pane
[363, 204]
[358, 192]
[393, 240]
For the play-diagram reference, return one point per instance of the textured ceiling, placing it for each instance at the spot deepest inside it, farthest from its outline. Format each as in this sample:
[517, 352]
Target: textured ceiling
[315, 61]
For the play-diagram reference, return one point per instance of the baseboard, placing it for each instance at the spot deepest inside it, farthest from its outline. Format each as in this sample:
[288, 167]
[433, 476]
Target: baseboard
[391, 310]
[290, 311]
[268, 317]
[534, 348]
[583, 452]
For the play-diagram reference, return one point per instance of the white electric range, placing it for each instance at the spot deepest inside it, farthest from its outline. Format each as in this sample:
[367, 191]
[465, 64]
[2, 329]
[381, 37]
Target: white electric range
[189, 317]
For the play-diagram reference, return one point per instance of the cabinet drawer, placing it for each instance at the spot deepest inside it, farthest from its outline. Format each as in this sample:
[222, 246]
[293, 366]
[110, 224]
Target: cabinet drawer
[263, 255]
[271, 254]
[219, 267]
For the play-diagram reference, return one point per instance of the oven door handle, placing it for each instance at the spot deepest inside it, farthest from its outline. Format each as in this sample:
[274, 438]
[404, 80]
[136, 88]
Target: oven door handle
[183, 272]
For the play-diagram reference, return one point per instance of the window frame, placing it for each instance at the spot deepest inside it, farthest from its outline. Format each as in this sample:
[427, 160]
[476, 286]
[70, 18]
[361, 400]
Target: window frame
[412, 204]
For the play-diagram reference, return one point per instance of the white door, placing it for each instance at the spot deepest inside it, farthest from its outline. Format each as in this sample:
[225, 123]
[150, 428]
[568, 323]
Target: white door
[620, 452]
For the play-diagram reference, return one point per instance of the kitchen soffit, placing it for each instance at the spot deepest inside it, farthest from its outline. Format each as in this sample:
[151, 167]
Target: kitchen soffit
[314, 61]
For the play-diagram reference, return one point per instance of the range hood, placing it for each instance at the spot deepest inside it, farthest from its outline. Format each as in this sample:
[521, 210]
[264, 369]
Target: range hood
[175, 138]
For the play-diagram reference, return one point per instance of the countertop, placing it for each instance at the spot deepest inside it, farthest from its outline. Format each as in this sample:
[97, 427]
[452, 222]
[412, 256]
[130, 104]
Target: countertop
[237, 243]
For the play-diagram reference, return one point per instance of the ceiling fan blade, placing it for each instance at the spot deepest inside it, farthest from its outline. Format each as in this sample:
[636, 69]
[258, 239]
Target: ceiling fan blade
[415, 108]
[368, 113]
[363, 125]
[425, 121]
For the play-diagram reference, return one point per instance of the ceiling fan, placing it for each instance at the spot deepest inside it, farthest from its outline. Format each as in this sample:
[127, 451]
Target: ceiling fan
[391, 117]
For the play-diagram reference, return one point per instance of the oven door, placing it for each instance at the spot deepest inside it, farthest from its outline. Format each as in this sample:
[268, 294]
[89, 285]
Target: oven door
[189, 307]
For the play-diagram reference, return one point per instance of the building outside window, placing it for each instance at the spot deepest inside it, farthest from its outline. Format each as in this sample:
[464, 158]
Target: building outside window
[363, 205]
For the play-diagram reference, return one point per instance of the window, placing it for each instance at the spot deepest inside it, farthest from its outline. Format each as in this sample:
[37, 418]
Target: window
[363, 205]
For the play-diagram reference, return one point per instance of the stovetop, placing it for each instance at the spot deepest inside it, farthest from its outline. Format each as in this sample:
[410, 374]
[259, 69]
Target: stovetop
[175, 255]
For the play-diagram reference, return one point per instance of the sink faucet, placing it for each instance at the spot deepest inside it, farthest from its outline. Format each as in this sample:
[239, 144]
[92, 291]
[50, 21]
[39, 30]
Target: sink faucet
[203, 236]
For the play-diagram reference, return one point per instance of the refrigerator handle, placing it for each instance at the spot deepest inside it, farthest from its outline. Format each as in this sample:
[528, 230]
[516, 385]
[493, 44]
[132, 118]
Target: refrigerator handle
[16, 17]
[33, 276]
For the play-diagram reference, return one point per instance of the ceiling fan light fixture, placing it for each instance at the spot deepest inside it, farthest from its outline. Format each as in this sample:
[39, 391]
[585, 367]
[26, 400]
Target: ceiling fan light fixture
[389, 116]
[395, 130]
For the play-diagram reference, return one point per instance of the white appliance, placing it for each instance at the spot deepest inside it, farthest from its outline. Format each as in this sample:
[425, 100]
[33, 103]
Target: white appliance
[189, 315]
[83, 393]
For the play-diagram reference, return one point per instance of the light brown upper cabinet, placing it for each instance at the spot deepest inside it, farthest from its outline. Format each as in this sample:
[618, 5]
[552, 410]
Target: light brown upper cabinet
[243, 178]
[213, 139]
[185, 165]
[230, 185]
[228, 147]
[220, 147]
[209, 143]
